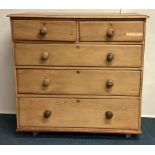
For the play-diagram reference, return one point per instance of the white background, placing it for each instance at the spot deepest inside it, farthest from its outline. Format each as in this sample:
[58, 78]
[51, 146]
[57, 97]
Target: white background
[7, 91]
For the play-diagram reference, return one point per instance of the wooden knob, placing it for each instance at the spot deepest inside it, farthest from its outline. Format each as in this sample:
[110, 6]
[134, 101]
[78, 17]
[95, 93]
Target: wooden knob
[110, 33]
[43, 30]
[110, 57]
[46, 82]
[44, 56]
[47, 113]
[108, 114]
[109, 83]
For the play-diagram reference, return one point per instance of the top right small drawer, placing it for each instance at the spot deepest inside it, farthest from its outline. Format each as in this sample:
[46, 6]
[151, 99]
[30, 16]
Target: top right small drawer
[111, 31]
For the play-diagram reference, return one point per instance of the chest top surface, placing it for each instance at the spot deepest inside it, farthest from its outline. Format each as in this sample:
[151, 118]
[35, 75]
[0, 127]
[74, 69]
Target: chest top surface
[78, 15]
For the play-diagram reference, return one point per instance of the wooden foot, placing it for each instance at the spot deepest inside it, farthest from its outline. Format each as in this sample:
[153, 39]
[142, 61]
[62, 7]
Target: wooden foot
[35, 133]
[128, 135]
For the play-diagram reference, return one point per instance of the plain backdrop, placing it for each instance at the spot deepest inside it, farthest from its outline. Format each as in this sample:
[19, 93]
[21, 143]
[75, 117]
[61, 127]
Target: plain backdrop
[7, 90]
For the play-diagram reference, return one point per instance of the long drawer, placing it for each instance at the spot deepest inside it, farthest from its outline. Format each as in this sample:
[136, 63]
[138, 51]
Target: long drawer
[111, 31]
[69, 112]
[81, 55]
[72, 81]
[44, 30]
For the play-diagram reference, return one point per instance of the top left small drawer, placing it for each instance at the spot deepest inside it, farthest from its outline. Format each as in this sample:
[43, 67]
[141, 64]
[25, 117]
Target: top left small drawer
[44, 30]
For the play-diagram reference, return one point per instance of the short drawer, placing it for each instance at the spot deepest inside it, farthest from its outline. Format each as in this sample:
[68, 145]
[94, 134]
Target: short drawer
[111, 31]
[69, 112]
[44, 30]
[72, 81]
[81, 55]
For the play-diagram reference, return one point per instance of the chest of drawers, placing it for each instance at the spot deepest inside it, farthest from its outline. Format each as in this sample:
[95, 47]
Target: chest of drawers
[78, 72]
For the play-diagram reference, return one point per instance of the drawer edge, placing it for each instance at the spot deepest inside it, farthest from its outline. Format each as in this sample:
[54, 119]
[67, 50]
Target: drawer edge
[80, 130]
[76, 96]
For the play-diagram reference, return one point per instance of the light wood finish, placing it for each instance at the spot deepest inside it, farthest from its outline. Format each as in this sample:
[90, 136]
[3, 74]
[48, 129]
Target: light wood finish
[79, 113]
[123, 30]
[78, 68]
[76, 96]
[78, 55]
[56, 30]
[79, 14]
[80, 130]
[78, 82]
[73, 68]
[77, 42]
[141, 86]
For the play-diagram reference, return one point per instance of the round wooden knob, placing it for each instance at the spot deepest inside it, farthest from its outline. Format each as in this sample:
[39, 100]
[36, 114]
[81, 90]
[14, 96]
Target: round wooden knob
[44, 56]
[46, 82]
[110, 33]
[47, 113]
[109, 83]
[110, 57]
[108, 114]
[43, 30]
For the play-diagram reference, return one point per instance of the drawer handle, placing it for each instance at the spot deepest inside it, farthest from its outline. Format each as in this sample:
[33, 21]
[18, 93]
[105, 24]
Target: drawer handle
[46, 82]
[43, 30]
[109, 83]
[110, 57]
[110, 32]
[108, 114]
[44, 56]
[47, 113]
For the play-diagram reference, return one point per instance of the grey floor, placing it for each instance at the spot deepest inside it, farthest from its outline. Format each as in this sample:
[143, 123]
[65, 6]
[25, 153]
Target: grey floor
[9, 136]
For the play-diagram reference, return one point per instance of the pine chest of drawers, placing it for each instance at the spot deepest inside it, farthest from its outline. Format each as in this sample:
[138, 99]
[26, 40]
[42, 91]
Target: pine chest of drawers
[78, 72]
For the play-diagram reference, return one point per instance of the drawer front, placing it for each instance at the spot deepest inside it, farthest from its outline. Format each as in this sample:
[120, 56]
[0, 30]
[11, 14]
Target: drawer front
[100, 82]
[44, 30]
[111, 31]
[68, 112]
[81, 55]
